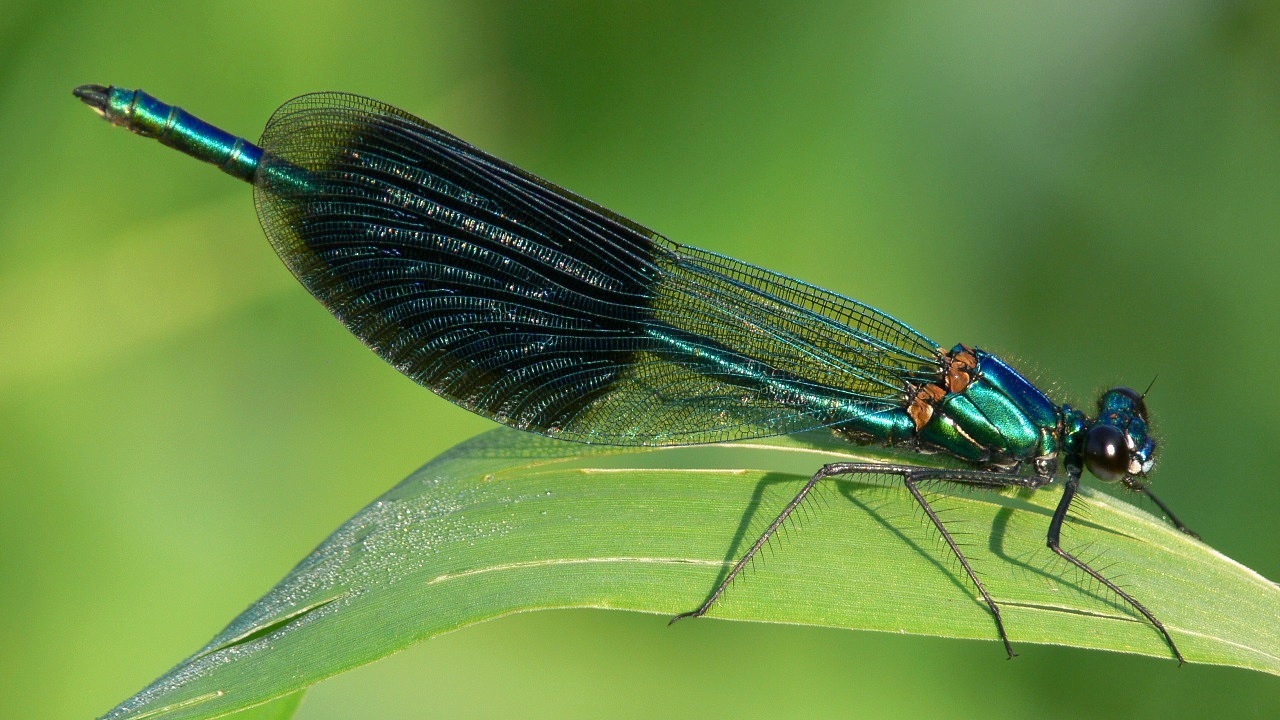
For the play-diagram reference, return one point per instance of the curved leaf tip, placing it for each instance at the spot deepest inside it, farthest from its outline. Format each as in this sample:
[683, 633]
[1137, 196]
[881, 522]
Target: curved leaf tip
[509, 521]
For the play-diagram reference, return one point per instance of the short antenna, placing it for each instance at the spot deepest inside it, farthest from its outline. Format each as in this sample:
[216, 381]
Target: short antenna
[1153, 382]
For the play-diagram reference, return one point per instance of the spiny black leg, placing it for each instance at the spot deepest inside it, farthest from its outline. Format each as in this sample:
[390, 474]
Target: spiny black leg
[1165, 509]
[825, 472]
[911, 475]
[1055, 532]
[910, 482]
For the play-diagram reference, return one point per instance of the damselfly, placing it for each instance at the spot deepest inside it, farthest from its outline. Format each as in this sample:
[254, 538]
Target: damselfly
[527, 304]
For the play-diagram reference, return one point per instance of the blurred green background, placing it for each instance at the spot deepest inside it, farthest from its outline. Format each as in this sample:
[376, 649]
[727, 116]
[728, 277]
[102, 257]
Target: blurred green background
[1089, 189]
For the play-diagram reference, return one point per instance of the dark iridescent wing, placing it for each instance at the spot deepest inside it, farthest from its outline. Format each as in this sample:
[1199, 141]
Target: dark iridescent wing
[527, 304]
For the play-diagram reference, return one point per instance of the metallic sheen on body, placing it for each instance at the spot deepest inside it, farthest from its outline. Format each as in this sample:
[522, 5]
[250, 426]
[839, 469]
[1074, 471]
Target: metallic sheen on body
[530, 305]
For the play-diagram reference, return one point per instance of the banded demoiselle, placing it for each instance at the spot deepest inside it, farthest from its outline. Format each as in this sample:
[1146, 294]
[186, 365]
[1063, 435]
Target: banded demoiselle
[529, 305]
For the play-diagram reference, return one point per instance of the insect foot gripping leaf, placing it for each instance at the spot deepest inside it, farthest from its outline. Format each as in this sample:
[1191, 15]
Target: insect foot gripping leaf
[510, 522]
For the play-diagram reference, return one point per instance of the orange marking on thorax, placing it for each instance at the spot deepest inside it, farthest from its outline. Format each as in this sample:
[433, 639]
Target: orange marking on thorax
[959, 375]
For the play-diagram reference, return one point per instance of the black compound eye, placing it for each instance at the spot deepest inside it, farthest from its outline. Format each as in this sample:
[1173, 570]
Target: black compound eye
[1106, 454]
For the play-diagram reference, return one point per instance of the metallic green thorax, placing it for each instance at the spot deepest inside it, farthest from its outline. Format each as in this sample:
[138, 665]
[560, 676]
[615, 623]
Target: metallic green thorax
[989, 415]
[999, 419]
[984, 412]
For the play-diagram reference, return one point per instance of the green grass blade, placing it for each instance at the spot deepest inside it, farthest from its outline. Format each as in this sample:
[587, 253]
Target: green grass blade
[510, 522]
[281, 708]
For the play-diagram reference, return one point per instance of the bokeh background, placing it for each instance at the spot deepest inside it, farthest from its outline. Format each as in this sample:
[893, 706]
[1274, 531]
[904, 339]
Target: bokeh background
[1090, 189]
